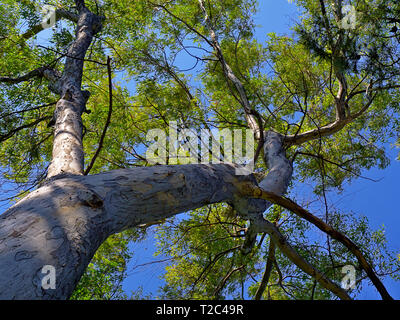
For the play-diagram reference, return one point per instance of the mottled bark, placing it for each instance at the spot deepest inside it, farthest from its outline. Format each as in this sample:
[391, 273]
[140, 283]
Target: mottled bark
[68, 156]
[63, 222]
[277, 180]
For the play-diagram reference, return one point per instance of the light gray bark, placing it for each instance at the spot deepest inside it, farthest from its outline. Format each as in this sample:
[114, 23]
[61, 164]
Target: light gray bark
[68, 156]
[277, 180]
[63, 222]
[280, 168]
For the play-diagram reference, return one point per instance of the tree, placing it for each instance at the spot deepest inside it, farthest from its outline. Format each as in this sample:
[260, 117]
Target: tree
[324, 113]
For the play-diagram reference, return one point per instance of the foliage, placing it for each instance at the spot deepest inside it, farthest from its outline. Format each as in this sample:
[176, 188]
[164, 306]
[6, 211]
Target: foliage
[165, 69]
[104, 276]
[207, 261]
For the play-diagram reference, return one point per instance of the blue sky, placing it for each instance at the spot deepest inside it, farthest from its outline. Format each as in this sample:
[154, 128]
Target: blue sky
[378, 202]
[375, 200]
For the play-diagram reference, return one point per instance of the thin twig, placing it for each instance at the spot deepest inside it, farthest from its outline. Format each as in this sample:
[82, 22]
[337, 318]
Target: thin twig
[267, 272]
[90, 166]
[256, 192]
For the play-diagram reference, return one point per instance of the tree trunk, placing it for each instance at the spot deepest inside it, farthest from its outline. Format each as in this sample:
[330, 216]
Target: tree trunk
[64, 222]
[68, 156]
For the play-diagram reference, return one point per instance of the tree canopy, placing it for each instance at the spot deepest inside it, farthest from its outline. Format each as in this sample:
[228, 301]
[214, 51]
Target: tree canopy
[330, 88]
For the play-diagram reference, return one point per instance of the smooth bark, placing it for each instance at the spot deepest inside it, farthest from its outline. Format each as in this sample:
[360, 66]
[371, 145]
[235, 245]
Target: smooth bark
[63, 222]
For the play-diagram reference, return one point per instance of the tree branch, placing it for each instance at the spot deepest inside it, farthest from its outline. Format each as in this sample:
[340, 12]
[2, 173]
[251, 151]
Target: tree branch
[257, 192]
[389, 87]
[68, 155]
[5, 115]
[230, 75]
[267, 272]
[225, 279]
[60, 14]
[28, 125]
[284, 246]
[328, 129]
[39, 72]
[108, 120]
[339, 165]
[182, 21]
[212, 263]
[276, 181]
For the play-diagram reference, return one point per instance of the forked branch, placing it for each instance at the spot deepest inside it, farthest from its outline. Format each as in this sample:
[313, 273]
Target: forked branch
[257, 192]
